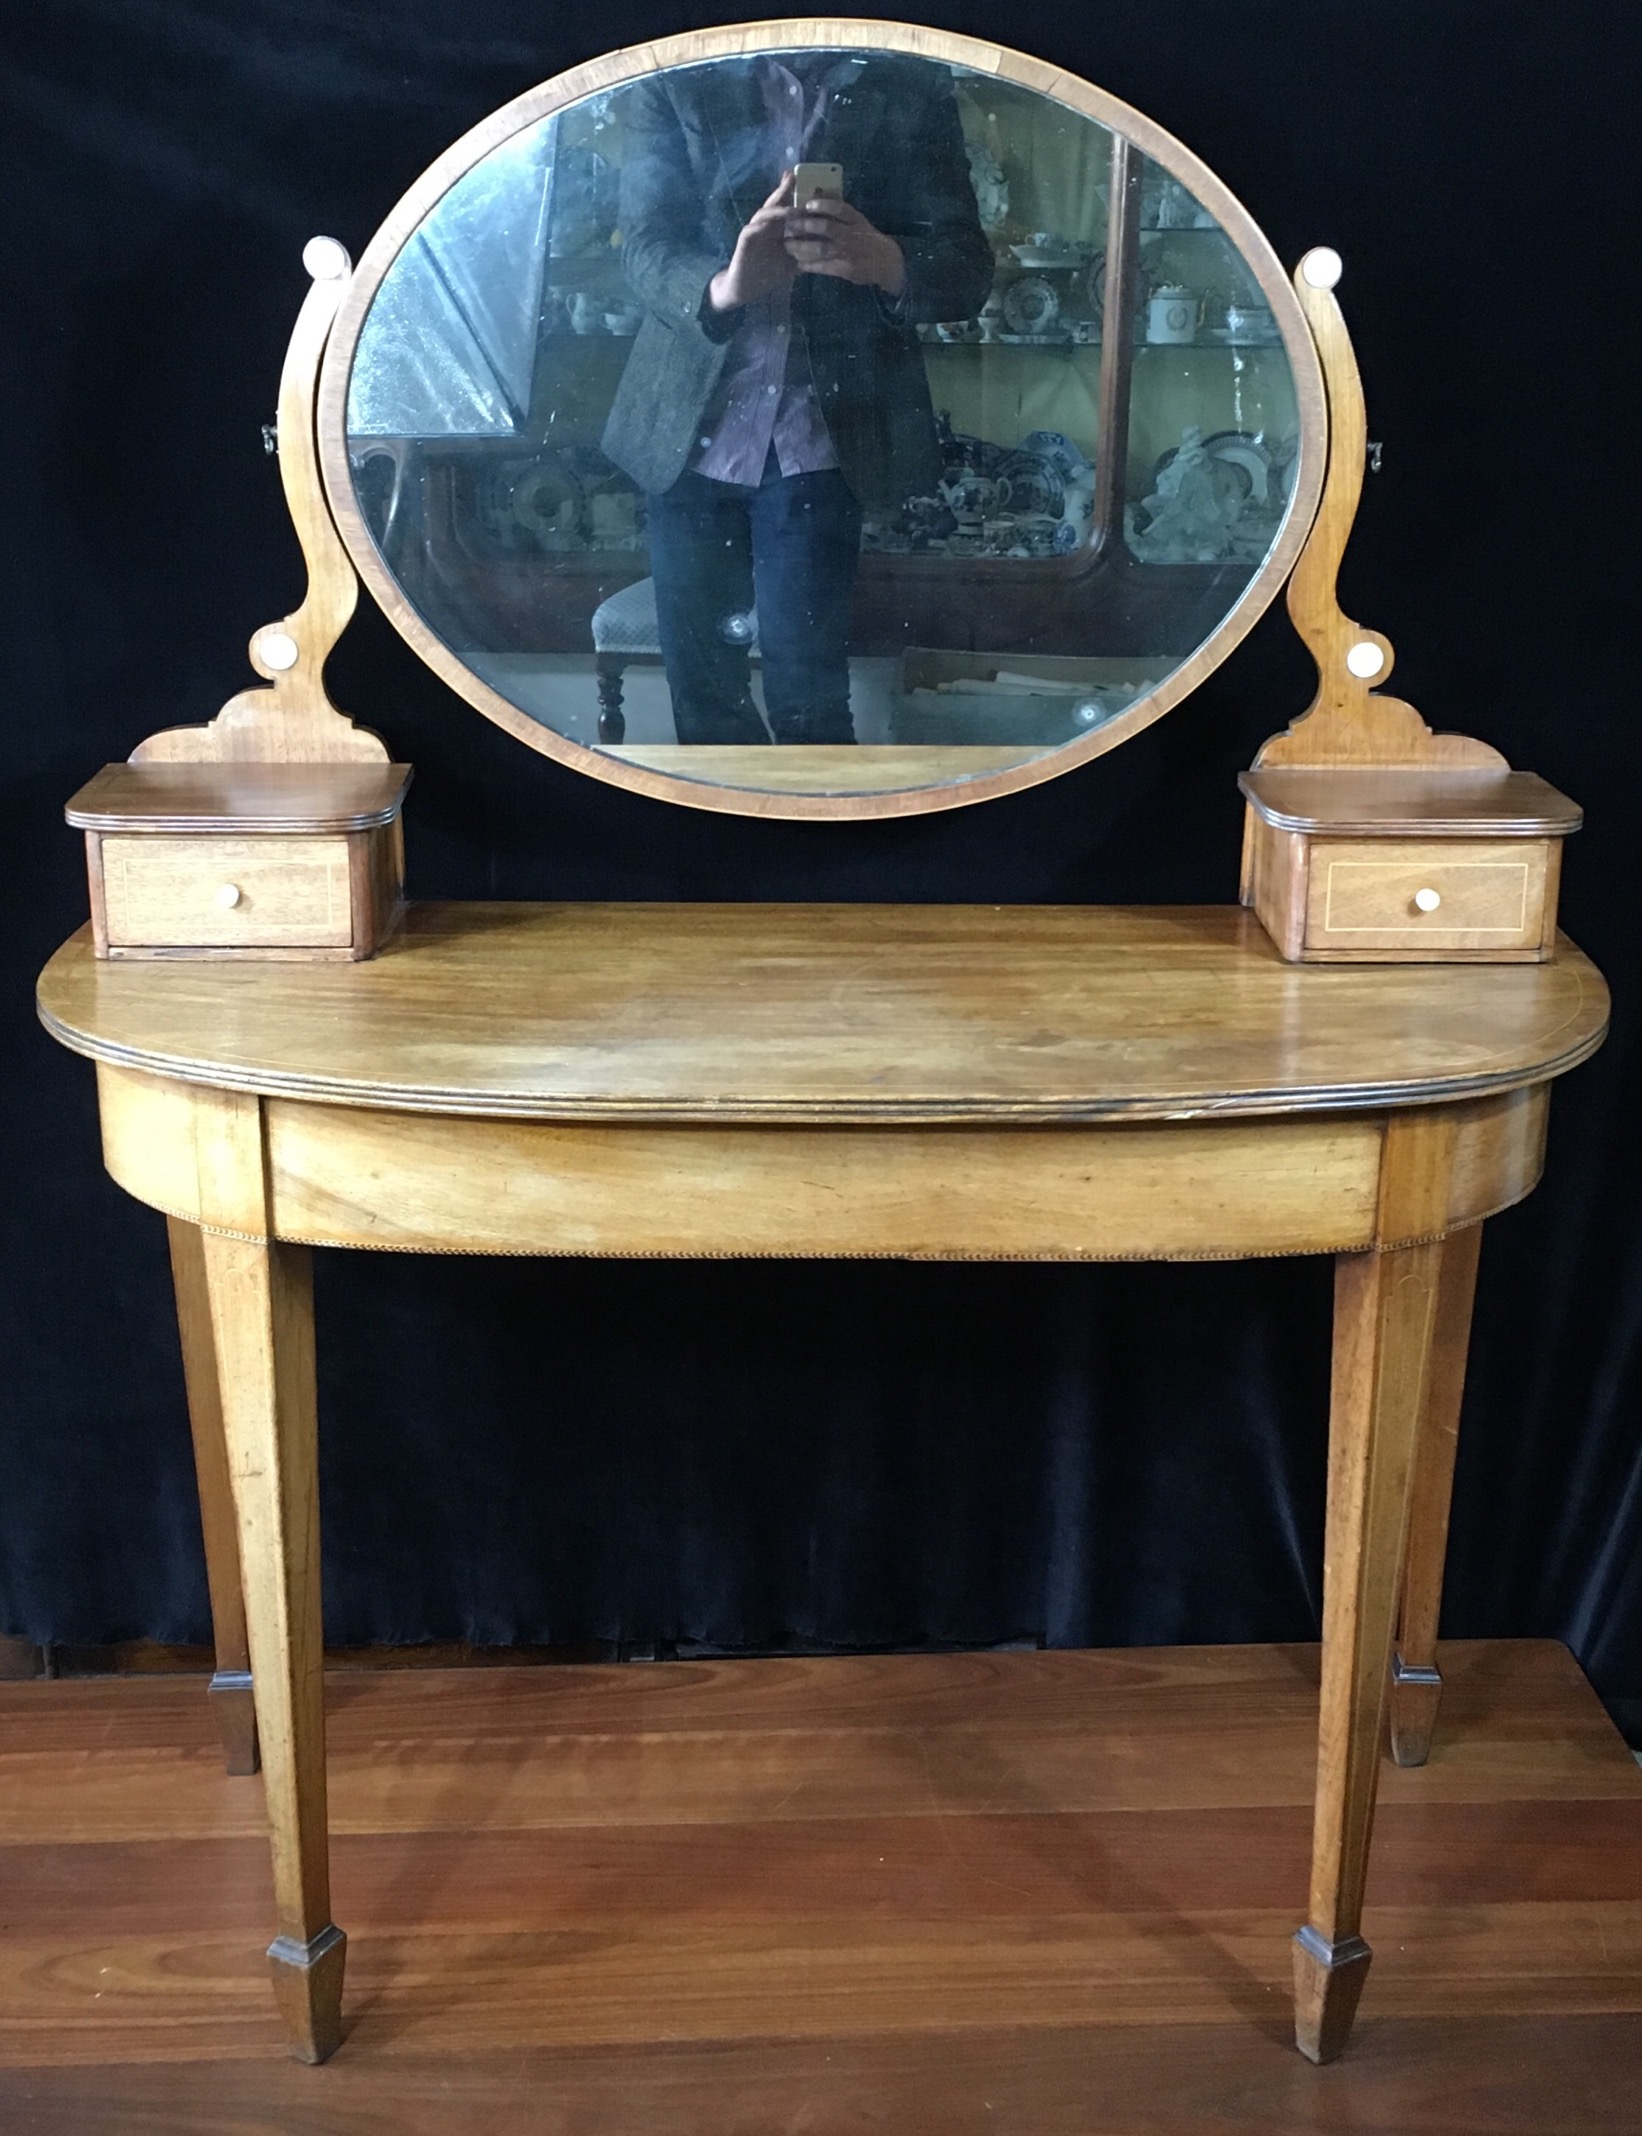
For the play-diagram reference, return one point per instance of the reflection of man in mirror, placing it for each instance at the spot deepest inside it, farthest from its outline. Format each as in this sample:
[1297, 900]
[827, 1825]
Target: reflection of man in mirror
[777, 386]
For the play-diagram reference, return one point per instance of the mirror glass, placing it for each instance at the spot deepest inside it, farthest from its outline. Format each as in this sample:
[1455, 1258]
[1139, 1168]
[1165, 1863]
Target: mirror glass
[821, 422]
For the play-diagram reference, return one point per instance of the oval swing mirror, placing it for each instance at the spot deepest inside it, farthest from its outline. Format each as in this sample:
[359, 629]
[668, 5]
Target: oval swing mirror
[851, 427]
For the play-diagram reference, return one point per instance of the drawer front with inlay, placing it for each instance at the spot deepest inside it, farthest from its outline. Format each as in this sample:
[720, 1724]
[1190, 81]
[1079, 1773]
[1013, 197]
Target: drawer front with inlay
[1433, 897]
[223, 893]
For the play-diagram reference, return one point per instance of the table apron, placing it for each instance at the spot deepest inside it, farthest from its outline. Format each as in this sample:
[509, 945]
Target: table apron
[1194, 1189]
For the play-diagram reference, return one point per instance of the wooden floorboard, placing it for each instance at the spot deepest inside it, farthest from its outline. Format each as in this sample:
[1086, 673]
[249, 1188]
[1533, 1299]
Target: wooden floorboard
[1458, 2077]
[1012, 1892]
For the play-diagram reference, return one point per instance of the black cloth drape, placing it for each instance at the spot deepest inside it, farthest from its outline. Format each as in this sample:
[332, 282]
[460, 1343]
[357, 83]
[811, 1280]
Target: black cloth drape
[857, 1454]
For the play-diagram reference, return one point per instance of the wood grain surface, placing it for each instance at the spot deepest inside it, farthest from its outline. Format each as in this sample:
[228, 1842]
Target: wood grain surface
[239, 796]
[231, 1702]
[822, 768]
[1362, 895]
[792, 1013]
[1125, 1190]
[284, 891]
[1408, 802]
[1505, 2076]
[1019, 1892]
[1416, 1681]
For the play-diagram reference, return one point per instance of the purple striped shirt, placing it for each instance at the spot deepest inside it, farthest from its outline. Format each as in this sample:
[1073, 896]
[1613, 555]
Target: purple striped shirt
[765, 398]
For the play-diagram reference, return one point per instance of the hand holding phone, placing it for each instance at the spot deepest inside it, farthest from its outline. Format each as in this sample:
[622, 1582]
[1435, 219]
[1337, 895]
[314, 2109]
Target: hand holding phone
[760, 262]
[825, 235]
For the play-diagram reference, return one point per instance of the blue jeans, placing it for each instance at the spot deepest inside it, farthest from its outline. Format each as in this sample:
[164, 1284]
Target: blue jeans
[793, 542]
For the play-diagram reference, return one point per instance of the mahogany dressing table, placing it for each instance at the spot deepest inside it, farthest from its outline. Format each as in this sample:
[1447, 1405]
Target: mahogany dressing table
[927, 1082]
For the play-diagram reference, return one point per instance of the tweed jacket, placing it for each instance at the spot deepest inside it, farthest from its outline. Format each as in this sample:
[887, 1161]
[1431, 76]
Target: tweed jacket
[694, 173]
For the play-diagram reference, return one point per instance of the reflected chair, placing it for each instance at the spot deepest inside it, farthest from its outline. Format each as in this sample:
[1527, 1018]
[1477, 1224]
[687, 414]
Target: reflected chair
[625, 631]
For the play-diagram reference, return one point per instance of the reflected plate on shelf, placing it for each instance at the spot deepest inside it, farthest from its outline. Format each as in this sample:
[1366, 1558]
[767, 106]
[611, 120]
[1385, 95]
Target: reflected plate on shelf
[546, 500]
[1037, 488]
[1030, 305]
[1067, 458]
[1058, 447]
[1240, 450]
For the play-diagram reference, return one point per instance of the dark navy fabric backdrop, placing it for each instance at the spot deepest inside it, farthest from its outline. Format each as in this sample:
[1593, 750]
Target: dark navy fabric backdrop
[857, 1454]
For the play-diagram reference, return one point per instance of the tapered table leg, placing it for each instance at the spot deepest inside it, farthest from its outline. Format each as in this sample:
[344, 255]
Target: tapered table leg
[231, 1701]
[261, 1297]
[1384, 1306]
[1416, 1685]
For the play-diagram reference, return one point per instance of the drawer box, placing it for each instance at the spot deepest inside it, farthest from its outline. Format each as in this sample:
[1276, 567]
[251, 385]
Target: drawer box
[258, 893]
[1405, 866]
[252, 860]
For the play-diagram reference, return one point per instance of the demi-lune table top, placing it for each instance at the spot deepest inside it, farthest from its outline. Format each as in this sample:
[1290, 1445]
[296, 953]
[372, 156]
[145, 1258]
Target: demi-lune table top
[809, 1013]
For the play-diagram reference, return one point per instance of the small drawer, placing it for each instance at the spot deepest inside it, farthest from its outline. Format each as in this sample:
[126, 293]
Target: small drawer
[264, 892]
[1450, 896]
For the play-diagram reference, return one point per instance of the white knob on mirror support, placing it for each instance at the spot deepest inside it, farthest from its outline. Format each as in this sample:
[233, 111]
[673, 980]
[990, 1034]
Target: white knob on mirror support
[1365, 659]
[1427, 900]
[1322, 267]
[228, 895]
[325, 259]
[278, 649]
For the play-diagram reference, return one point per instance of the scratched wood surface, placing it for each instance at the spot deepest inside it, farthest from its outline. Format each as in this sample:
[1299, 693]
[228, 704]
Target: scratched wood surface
[831, 1013]
[1029, 1893]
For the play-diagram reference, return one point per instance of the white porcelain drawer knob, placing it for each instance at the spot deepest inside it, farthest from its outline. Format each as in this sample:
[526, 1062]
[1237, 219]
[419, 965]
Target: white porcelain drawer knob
[1427, 900]
[228, 895]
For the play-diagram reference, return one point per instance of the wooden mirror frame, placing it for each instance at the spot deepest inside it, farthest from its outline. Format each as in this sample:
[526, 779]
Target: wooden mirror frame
[1128, 127]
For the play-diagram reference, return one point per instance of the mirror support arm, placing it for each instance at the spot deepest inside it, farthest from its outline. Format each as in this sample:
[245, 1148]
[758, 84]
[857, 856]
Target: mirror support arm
[1348, 723]
[290, 719]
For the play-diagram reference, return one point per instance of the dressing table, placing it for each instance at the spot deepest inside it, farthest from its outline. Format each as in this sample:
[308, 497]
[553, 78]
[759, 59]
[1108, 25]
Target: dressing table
[967, 1083]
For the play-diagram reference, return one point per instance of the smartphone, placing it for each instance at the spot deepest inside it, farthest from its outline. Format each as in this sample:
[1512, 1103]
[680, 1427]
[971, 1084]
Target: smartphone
[811, 180]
